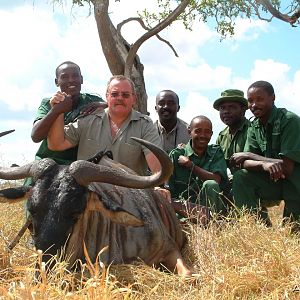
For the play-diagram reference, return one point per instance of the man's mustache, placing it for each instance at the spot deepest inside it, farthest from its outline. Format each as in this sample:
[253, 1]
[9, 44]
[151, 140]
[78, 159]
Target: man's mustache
[119, 103]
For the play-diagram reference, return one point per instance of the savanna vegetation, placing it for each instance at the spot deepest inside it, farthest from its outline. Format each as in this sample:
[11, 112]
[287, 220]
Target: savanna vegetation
[233, 260]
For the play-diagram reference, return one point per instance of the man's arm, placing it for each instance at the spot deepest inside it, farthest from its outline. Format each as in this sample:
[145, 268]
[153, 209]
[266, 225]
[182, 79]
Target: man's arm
[92, 107]
[200, 172]
[237, 159]
[41, 127]
[56, 136]
[277, 168]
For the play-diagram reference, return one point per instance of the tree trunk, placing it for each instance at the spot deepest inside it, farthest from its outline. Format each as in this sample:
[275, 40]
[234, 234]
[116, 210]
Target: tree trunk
[121, 57]
[115, 49]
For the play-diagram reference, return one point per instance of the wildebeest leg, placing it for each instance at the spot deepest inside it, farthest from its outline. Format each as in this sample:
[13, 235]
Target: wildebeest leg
[174, 262]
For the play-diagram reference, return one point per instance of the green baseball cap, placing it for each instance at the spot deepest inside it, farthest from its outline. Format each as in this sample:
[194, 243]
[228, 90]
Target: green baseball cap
[231, 95]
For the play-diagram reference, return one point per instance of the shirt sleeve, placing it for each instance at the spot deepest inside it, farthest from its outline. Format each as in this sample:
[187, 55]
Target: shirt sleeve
[150, 134]
[218, 164]
[43, 109]
[251, 144]
[290, 142]
[72, 131]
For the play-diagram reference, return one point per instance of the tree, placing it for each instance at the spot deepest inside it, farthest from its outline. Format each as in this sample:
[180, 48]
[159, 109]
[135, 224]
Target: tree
[122, 57]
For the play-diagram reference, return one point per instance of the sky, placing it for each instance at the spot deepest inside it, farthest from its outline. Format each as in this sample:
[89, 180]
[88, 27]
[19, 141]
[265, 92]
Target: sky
[37, 36]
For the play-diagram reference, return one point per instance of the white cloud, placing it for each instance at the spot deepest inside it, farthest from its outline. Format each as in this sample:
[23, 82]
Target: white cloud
[248, 30]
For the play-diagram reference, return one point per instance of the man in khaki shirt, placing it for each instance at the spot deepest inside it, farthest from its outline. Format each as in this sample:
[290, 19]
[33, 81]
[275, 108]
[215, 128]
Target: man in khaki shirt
[110, 130]
[172, 130]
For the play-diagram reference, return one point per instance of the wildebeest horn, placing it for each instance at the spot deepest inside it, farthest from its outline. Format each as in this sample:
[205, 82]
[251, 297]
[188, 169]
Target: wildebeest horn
[33, 169]
[85, 172]
[6, 132]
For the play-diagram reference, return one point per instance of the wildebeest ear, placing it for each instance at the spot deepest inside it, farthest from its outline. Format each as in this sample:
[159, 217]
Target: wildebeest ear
[15, 194]
[112, 211]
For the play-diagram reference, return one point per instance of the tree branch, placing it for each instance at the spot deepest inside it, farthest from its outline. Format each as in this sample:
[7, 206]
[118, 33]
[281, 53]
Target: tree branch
[120, 25]
[277, 14]
[155, 30]
[258, 13]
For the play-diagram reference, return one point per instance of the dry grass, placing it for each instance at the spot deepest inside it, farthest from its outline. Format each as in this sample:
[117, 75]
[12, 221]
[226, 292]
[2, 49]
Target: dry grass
[234, 260]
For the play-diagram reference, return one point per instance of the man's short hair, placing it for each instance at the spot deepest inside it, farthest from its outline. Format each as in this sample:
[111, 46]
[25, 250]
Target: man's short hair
[267, 86]
[169, 91]
[68, 62]
[121, 78]
[200, 118]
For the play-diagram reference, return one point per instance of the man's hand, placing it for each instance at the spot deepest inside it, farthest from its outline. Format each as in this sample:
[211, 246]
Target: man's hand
[275, 169]
[181, 145]
[237, 159]
[184, 161]
[61, 102]
[93, 107]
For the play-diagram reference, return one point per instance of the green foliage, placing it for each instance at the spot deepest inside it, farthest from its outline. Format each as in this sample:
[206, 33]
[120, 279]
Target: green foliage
[221, 13]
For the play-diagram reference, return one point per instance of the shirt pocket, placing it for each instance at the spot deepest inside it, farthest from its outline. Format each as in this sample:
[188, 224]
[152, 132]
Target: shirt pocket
[131, 155]
[89, 149]
[276, 142]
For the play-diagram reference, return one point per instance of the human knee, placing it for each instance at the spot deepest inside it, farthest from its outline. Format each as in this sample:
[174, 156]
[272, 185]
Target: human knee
[211, 185]
[240, 177]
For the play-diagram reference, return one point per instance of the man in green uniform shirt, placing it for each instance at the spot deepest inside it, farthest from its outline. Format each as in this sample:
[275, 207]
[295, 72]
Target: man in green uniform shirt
[270, 165]
[199, 169]
[69, 79]
[232, 107]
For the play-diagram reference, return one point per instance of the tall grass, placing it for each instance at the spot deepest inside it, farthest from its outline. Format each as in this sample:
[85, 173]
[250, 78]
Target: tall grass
[233, 260]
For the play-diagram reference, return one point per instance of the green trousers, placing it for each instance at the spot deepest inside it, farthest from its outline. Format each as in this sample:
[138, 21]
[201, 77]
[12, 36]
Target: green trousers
[210, 197]
[253, 190]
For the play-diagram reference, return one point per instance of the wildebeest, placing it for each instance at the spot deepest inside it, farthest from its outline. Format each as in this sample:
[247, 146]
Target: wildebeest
[121, 210]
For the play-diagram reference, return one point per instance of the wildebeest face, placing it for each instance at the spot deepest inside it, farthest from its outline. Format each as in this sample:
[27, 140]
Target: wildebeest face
[55, 204]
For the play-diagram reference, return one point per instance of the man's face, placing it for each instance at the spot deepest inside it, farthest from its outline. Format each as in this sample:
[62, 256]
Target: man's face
[231, 113]
[260, 103]
[166, 106]
[120, 98]
[201, 133]
[69, 79]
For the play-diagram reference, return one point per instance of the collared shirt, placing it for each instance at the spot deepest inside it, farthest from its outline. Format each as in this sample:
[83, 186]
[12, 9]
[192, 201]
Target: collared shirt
[179, 134]
[280, 136]
[92, 134]
[183, 182]
[67, 156]
[231, 144]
